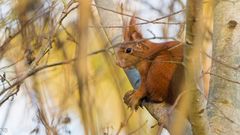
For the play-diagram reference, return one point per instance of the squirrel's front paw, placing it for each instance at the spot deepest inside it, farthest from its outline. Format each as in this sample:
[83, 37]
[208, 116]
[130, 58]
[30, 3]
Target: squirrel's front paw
[133, 99]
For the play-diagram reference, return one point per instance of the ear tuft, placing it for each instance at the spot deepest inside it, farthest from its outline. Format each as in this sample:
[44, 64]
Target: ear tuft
[126, 36]
[131, 32]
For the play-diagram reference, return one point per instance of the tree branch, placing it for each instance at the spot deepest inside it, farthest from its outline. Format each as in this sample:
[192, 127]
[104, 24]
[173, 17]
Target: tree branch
[196, 30]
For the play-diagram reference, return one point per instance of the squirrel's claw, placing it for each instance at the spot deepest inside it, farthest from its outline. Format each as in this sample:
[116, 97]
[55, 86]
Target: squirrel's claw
[132, 99]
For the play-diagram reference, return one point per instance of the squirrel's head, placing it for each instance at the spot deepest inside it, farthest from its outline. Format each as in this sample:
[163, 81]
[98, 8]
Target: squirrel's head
[129, 52]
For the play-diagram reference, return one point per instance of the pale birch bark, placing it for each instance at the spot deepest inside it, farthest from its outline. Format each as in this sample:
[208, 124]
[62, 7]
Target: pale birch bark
[207, 43]
[196, 30]
[224, 97]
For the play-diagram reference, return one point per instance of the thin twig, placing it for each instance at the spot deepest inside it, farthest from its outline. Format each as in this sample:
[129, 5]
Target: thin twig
[11, 37]
[12, 64]
[222, 77]
[141, 126]
[222, 63]
[28, 74]
[123, 124]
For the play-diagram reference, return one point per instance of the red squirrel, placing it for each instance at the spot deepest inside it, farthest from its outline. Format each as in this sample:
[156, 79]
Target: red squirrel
[159, 65]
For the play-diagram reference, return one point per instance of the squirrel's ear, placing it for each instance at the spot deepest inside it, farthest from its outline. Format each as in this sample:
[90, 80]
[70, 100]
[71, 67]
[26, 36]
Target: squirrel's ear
[126, 36]
[131, 32]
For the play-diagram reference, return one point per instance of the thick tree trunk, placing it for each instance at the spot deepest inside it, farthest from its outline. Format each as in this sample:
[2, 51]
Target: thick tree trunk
[224, 98]
[196, 32]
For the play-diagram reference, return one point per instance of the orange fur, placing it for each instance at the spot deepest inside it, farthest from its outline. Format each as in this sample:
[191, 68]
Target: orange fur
[158, 64]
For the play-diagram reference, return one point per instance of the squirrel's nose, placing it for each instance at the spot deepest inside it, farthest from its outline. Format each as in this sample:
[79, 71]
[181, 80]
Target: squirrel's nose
[120, 63]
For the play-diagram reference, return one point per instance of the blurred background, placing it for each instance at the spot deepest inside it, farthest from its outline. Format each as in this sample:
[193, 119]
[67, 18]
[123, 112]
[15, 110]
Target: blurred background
[40, 91]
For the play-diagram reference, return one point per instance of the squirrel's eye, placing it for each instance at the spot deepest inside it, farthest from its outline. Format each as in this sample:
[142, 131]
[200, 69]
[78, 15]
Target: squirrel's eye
[128, 50]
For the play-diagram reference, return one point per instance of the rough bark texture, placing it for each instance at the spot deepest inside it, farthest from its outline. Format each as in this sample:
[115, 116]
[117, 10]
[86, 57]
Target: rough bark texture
[224, 98]
[195, 37]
